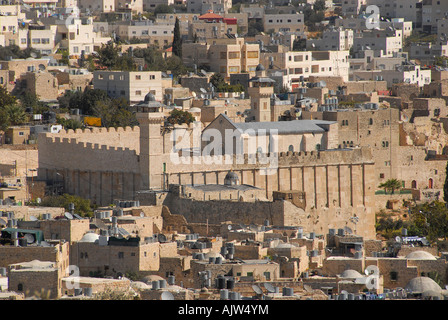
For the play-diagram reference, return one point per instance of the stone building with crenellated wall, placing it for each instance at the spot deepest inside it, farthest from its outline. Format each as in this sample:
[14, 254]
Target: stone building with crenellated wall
[104, 165]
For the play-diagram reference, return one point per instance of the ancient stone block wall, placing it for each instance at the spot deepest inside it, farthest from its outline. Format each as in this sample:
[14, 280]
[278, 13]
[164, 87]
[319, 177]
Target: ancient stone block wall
[33, 282]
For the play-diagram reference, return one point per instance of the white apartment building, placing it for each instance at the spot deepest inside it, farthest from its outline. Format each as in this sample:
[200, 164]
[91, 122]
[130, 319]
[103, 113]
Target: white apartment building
[300, 65]
[367, 61]
[338, 39]
[42, 4]
[77, 35]
[150, 5]
[9, 24]
[359, 23]
[131, 85]
[294, 22]
[41, 38]
[427, 52]
[410, 73]
[352, 7]
[383, 42]
[155, 34]
[133, 6]
[97, 6]
[204, 6]
[409, 10]
[432, 12]
[442, 28]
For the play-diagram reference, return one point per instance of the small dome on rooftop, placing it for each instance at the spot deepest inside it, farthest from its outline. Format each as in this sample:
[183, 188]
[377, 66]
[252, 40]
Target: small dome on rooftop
[260, 67]
[90, 237]
[150, 97]
[351, 274]
[231, 178]
[420, 255]
[423, 284]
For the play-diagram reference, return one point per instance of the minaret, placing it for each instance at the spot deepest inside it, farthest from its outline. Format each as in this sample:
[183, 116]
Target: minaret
[261, 89]
[151, 149]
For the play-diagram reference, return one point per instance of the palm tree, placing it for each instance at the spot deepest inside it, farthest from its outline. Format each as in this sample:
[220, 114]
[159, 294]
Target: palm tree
[391, 184]
[16, 114]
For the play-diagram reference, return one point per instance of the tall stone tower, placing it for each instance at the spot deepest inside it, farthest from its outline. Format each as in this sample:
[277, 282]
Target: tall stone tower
[151, 149]
[261, 89]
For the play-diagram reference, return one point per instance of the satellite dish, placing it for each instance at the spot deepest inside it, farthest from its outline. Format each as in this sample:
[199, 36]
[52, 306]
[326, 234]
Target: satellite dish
[269, 287]
[229, 227]
[404, 117]
[3, 222]
[33, 218]
[29, 238]
[253, 227]
[398, 239]
[68, 215]
[348, 230]
[142, 214]
[166, 295]
[161, 238]
[307, 288]
[257, 289]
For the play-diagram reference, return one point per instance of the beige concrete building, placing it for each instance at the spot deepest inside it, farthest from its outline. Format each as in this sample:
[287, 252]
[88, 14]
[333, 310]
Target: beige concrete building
[120, 255]
[160, 35]
[131, 85]
[296, 65]
[226, 56]
[294, 22]
[36, 278]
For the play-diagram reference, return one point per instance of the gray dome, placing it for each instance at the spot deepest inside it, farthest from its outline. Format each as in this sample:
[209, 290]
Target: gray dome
[260, 67]
[150, 278]
[150, 97]
[231, 179]
[423, 284]
[420, 255]
[351, 274]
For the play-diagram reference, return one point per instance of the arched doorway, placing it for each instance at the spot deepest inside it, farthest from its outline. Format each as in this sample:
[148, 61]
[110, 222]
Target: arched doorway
[430, 183]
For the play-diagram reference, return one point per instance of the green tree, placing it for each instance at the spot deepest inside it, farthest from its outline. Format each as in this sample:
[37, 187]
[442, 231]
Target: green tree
[6, 98]
[176, 66]
[153, 58]
[179, 117]
[163, 8]
[319, 5]
[71, 100]
[83, 206]
[177, 40]
[16, 114]
[115, 113]
[70, 123]
[217, 80]
[429, 219]
[390, 185]
[89, 99]
[108, 55]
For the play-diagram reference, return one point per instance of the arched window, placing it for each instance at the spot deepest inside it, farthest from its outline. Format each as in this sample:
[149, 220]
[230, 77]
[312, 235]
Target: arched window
[430, 183]
[414, 184]
[291, 148]
[20, 287]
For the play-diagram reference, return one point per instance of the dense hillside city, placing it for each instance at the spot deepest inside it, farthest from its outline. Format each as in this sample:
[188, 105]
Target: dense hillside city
[223, 150]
